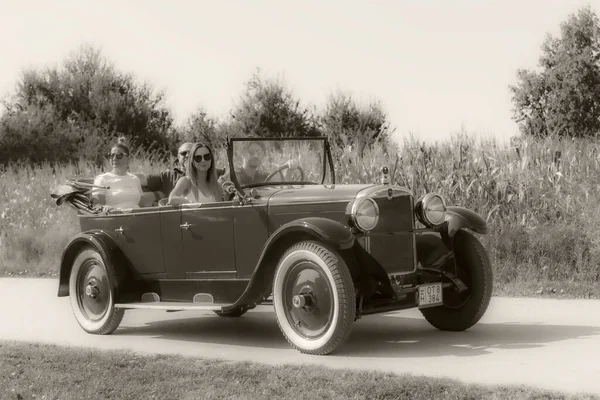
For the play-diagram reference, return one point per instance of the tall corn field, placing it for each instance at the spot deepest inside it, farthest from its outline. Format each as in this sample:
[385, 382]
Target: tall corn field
[528, 183]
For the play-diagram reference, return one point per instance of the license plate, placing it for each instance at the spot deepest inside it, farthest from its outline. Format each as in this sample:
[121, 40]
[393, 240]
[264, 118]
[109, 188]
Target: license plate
[430, 295]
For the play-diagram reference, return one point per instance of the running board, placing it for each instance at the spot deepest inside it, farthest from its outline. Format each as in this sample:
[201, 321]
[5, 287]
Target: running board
[173, 306]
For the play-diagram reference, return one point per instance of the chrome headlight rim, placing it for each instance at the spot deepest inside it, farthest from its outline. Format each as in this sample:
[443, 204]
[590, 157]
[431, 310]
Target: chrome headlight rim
[355, 208]
[424, 204]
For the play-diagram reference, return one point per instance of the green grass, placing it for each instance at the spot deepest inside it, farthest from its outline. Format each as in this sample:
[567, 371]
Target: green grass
[548, 289]
[539, 196]
[29, 371]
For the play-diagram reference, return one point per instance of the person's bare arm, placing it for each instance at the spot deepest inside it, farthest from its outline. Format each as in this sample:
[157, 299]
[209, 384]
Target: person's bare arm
[98, 195]
[178, 193]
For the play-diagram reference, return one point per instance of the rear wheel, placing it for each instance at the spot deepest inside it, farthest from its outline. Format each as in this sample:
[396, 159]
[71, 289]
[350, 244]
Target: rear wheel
[314, 298]
[92, 295]
[463, 310]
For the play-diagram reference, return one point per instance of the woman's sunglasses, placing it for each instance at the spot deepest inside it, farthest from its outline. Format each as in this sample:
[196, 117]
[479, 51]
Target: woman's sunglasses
[199, 157]
[118, 156]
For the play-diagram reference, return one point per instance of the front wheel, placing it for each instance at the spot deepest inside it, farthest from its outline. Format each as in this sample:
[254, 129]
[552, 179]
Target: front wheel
[463, 310]
[92, 295]
[314, 298]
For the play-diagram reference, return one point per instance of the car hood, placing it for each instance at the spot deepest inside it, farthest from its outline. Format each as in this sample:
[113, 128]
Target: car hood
[315, 194]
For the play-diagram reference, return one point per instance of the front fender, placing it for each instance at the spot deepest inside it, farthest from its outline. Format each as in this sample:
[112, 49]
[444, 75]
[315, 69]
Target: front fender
[436, 248]
[432, 250]
[459, 217]
[101, 242]
[325, 230]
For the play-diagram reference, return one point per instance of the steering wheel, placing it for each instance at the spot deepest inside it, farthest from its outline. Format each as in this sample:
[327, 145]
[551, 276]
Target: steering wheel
[279, 171]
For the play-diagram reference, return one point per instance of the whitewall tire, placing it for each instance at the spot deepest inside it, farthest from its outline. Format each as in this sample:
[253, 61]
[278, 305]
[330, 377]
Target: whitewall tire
[91, 294]
[314, 298]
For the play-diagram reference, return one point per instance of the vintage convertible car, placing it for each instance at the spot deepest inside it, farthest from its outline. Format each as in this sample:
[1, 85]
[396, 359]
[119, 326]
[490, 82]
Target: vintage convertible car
[328, 254]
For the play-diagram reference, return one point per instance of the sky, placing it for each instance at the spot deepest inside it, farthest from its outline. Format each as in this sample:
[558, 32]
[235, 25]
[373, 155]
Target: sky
[437, 67]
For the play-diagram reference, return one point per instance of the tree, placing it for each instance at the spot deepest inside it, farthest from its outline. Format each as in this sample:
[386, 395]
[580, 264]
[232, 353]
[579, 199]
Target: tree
[200, 127]
[85, 95]
[268, 109]
[564, 97]
[346, 123]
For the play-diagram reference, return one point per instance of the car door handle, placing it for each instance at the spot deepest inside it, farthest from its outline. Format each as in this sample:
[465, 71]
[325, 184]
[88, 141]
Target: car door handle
[119, 230]
[185, 226]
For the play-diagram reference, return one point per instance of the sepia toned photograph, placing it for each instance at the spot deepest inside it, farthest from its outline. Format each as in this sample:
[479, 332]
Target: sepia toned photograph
[319, 199]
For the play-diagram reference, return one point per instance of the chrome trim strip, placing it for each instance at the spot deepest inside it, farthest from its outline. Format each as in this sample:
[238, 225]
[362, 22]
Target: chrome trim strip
[203, 280]
[211, 274]
[376, 234]
[308, 203]
[374, 191]
[165, 209]
[125, 214]
[173, 306]
[310, 212]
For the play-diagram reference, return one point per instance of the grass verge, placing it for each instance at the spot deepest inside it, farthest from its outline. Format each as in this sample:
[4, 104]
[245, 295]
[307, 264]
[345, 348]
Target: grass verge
[34, 371]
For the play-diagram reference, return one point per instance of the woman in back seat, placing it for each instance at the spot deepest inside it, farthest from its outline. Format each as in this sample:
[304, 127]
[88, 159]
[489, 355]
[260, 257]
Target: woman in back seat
[125, 190]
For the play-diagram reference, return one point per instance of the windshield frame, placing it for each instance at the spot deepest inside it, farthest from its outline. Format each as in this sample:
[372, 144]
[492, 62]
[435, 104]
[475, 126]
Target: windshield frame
[327, 160]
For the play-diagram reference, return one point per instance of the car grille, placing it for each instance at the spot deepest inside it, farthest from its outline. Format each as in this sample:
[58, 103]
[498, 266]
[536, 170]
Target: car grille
[392, 242]
[395, 215]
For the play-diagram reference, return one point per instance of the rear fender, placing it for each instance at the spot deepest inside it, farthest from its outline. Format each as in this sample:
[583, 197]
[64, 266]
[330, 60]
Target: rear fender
[324, 230]
[460, 218]
[109, 251]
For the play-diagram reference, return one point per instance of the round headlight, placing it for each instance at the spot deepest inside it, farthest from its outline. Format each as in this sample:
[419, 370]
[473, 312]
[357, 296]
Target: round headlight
[365, 214]
[433, 209]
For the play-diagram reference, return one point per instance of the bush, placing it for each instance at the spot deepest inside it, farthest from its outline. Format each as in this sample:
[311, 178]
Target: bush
[79, 108]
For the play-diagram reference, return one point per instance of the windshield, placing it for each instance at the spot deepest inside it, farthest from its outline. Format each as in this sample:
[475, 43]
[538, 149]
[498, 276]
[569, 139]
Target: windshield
[267, 162]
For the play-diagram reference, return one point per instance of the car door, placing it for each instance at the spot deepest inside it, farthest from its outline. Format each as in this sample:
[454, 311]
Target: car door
[207, 242]
[138, 236]
[251, 232]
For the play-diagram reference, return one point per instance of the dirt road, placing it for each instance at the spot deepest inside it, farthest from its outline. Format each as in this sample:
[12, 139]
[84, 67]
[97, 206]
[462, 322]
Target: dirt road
[553, 344]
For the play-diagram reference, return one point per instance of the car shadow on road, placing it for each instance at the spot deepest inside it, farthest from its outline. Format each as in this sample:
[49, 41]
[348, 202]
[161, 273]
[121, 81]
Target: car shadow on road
[409, 337]
[254, 329]
[372, 336]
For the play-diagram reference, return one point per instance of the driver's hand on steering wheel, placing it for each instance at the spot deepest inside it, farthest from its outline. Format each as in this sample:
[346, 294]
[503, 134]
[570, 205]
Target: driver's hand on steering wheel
[228, 187]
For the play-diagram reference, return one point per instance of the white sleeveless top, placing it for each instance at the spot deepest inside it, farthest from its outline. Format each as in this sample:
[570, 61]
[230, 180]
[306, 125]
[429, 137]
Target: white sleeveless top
[125, 190]
[194, 195]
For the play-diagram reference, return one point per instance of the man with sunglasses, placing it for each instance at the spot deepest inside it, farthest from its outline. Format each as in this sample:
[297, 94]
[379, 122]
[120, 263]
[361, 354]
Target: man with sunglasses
[163, 183]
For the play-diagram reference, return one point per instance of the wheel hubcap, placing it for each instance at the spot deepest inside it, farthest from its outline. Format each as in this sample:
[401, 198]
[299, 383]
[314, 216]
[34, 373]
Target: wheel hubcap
[309, 303]
[93, 290]
[303, 300]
